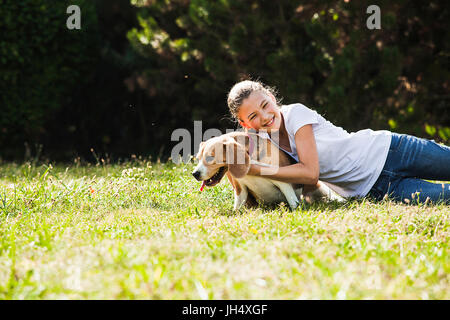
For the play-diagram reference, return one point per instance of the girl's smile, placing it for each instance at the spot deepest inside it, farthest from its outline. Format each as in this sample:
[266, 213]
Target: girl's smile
[270, 122]
[260, 111]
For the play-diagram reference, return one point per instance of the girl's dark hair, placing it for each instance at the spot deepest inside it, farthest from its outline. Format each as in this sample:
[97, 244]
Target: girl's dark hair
[242, 90]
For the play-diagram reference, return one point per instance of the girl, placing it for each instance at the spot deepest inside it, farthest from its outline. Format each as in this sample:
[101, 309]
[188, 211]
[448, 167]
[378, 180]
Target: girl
[359, 164]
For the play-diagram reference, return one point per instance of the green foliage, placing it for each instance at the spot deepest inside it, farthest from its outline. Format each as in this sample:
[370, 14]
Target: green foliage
[42, 64]
[137, 70]
[320, 54]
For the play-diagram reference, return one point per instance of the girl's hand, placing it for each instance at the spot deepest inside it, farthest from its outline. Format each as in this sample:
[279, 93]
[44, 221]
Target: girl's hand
[304, 172]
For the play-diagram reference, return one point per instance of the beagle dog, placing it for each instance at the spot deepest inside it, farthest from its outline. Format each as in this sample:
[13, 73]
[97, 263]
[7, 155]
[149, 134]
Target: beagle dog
[232, 154]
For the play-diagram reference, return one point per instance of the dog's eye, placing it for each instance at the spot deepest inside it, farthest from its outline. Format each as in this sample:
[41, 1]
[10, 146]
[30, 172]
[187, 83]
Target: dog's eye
[209, 159]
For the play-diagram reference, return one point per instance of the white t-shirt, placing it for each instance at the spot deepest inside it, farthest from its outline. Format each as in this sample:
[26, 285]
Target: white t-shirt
[350, 163]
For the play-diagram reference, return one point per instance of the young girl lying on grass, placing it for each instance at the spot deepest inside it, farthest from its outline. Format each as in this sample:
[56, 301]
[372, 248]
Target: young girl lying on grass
[364, 163]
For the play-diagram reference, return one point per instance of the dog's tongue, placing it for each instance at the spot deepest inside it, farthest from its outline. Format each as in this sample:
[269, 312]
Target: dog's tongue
[203, 185]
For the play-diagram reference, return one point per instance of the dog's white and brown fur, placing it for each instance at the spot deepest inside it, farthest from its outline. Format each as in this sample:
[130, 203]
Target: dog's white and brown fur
[220, 155]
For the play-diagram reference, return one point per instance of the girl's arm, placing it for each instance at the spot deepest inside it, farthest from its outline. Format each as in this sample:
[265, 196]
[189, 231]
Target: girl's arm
[304, 172]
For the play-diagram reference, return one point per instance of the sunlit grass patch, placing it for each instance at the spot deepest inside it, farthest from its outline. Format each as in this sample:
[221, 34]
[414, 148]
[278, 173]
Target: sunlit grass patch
[143, 230]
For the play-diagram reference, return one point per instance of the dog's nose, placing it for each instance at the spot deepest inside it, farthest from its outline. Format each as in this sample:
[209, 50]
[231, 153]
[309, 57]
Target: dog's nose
[196, 175]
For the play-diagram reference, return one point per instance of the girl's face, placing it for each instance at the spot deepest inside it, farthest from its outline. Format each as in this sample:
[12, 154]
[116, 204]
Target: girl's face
[260, 112]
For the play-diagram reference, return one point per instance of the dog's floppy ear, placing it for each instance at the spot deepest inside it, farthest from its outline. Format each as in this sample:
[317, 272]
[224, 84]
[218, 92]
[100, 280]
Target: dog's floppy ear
[237, 158]
[201, 146]
[199, 150]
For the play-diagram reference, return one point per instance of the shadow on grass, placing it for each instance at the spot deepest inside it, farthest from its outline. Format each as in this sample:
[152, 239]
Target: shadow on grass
[163, 206]
[264, 208]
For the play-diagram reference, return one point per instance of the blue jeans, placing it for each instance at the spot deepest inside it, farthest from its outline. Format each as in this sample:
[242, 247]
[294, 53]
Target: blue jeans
[411, 159]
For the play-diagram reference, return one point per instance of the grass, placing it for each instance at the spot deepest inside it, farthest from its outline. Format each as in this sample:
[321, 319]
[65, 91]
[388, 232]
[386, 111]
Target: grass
[142, 230]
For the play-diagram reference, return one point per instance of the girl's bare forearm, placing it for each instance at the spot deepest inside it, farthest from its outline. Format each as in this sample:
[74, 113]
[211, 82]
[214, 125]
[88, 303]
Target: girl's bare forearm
[295, 173]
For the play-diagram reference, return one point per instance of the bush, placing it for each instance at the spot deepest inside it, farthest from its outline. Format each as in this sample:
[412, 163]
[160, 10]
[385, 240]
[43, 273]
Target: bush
[139, 69]
[42, 65]
[320, 54]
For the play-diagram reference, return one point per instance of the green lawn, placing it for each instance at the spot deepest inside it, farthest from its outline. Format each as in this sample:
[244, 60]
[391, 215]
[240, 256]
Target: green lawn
[142, 230]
